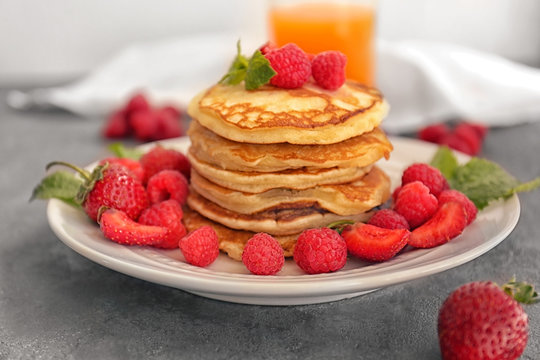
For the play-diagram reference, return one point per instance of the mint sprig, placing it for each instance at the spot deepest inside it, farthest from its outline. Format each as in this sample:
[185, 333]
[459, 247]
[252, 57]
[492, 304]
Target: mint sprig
[255, 71]
[483, 181]
[119, 150]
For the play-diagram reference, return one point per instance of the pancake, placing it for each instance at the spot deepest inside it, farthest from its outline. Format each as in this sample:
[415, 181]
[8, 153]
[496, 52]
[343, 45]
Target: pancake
[278, 221]
[270, 115]
[256, 182]
[359, 151]
[342, 199]
[232, 241]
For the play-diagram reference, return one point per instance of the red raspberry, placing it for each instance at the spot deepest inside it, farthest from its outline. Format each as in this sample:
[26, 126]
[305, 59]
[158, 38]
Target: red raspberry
[328, 69]
[389, 219]
[166, 214]
[159, 158]
[200, 247]
[453, 141]
[133, 165]
[455, 195]
[291, 65]
[167, 124]
[481, 129]
[395, 194]
[116, 125]
[264, 49]
[427, 175]
[137, 103]
[434, 133]
[416, 203]
[144, 124]
[320, 251]
[470, 135]
[167, 184]
[263, 255]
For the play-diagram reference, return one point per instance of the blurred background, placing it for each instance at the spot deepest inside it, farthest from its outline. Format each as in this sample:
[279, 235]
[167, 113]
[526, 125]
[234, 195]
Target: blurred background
[57, 40]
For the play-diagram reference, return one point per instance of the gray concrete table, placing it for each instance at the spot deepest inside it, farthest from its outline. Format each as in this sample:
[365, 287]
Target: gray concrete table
[56, 304]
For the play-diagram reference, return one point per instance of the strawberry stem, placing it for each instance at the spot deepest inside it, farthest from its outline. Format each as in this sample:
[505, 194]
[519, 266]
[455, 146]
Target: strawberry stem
[340, 225]
[520, 291]
[85, 174]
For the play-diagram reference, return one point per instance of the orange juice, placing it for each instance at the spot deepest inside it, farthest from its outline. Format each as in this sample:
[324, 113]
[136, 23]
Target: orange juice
[315, 27]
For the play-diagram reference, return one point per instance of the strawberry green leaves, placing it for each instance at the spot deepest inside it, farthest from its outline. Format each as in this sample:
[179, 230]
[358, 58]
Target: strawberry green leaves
[255, 71]
[61, 185]
[481, 180]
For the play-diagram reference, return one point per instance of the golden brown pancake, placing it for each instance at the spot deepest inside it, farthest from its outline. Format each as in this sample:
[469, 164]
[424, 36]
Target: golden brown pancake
[358, 151]
[256, 182]
[270, 115]
[287, 220]
[342, 199]
[233, 241]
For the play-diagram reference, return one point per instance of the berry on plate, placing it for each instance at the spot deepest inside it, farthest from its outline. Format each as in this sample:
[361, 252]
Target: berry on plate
[427, 175]
[481, 320]
[117, 226]
[200, 247]
[320, 251]
[389, 219]
[167, 184]
[160, 158]
[455, 195]
[448, 222]
[167, 214]
[372, 243]
[415, 203]
[263, 255]
[133, 165]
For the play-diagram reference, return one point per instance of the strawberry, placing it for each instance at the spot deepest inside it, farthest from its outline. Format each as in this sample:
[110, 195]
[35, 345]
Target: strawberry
[448, 222]
[372, 243]
[112, 186]
[133, 165]
[481, 320]
[167, 214]
[117, 226]
[159, 158]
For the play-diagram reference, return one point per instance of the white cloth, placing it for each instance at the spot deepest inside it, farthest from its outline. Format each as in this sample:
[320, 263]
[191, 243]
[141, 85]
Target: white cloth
[424, 82]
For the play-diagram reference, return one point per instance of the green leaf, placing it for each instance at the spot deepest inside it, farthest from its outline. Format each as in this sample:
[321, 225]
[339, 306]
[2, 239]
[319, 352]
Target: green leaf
[119, 150]
[259, 71]
[521, 291]
[61, 185]
[445, 160]
[528, 186]
[237, 70]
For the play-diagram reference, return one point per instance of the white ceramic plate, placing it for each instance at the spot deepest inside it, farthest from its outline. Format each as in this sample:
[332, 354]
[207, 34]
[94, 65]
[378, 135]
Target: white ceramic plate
[229, 280]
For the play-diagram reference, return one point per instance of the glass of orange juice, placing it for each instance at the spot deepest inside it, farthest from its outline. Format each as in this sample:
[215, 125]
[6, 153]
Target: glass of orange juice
[316, 26]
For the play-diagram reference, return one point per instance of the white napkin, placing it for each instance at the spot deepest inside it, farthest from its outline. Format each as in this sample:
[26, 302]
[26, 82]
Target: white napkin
[424, 82]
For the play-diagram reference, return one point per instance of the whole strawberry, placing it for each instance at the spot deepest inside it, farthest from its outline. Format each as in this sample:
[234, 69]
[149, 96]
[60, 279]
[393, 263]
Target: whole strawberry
[110, 185]
[481, 320]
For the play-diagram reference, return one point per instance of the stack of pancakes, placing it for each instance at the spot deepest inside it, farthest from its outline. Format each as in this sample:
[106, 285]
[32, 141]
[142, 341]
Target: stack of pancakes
[281, 161]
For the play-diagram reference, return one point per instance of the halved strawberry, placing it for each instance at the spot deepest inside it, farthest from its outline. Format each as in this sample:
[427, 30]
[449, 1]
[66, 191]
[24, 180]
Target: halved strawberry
[168, 214]
[372, 243]
[447, 223]
[118, 227]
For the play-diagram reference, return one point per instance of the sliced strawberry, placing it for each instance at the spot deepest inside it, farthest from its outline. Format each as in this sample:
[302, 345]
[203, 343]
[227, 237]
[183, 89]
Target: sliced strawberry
[372, 243]
[447, 223]
[118, 227]
[470, 135]
[458, 196]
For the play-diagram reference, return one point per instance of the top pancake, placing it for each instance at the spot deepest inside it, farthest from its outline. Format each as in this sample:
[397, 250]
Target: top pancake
[308, 115]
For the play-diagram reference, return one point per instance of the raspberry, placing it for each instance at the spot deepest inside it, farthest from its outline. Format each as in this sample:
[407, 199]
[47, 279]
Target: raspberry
[137, 103]
[144, 124]
[200, 247]
[427, 175]
[470, 135]
[266, 47]
[434, 133]
[456, 142]
[320, 251]
[415, 203]
[167, 124]
[166, 214]
[458, 196]
[116, 125]
[395, 194]
[263, 255]
[389, 219]
[159, 158]
[328, 69]
[291, 65]
[167, 184]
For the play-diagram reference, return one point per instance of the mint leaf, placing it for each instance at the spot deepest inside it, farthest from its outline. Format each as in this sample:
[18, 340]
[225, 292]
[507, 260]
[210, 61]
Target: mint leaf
[237, 70]
[259, 71]
[119, 150]
[61, 185]
[483, 181]
[528, 186]
[445, 160]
